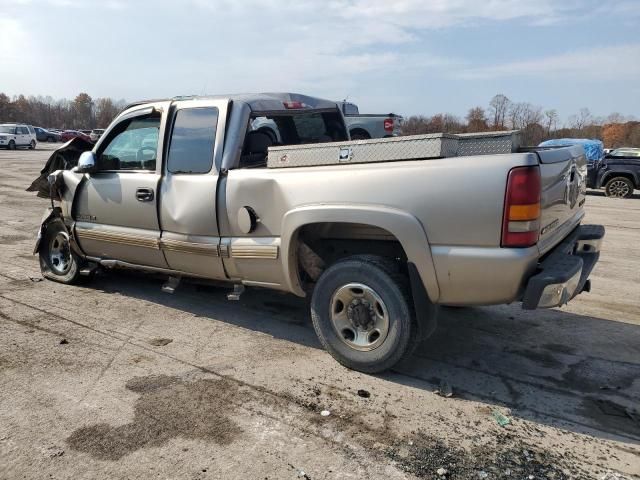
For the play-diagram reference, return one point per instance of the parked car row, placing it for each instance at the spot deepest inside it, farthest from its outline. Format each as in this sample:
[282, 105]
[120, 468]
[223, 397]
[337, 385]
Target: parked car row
[14, 135]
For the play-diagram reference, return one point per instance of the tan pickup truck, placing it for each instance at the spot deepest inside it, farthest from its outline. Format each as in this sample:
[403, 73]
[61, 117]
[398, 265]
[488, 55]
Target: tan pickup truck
[378, 232]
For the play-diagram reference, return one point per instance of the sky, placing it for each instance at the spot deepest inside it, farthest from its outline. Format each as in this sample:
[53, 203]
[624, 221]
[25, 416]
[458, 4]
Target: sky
[403, 56]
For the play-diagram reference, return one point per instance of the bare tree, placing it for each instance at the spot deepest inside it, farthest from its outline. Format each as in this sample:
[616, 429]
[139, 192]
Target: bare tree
[551, 120]
[83, 108]
[498, 109]
[581, 119]
[615, 117]
[105, 111]
[477, 120]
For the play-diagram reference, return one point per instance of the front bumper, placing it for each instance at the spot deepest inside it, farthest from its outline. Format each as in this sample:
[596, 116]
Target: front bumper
[564, 273]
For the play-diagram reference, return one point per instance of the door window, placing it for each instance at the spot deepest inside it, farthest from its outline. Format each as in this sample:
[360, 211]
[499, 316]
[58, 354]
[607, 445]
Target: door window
[133, 145]
[192, 140]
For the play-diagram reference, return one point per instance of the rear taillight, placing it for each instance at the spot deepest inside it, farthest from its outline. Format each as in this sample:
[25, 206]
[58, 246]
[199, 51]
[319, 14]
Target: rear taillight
[388, 124]
[521, 217]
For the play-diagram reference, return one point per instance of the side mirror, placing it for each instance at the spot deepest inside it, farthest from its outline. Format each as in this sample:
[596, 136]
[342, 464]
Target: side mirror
[86, 163]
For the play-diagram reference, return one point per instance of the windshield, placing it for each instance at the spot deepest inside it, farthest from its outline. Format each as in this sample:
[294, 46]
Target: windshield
[7, 129]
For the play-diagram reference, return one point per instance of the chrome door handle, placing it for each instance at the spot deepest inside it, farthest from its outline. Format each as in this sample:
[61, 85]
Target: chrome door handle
[144, 194]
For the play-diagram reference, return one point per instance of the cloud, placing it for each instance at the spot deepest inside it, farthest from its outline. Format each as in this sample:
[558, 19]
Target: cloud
[14, 40]
[601, 63]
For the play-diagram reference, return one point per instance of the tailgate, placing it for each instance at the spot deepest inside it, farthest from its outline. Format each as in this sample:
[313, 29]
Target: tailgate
[563, 173]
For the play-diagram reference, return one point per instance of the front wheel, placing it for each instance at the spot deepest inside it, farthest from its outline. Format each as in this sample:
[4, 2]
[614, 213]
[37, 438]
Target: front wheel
[12, 145]
[58, 262]
[620, 187]
[362, 314]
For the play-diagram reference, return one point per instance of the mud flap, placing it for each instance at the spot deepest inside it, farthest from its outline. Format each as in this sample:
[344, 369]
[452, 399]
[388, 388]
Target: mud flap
[426, 312]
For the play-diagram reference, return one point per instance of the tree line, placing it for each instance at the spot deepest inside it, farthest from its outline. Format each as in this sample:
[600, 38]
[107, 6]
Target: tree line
[535, 123]
[81, 113]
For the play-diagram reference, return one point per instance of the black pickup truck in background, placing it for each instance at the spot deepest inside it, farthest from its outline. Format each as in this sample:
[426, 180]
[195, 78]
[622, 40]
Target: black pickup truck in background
[618, 173]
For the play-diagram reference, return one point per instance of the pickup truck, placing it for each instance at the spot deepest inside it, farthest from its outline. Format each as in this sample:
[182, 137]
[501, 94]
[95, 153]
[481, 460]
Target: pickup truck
[181, 187]
[618, 173]
[370, 125]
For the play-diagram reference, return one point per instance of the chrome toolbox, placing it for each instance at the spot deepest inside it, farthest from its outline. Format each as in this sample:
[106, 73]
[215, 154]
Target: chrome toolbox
[413, 147]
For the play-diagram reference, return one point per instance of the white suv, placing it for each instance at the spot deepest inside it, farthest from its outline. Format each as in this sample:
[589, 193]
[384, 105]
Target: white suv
[13, 135]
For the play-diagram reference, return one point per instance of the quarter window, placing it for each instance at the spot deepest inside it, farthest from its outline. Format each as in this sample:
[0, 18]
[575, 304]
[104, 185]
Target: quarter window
[192, 140]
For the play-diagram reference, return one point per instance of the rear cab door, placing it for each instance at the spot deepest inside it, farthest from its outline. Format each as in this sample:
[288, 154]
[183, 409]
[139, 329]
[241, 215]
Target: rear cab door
[23, 135]
[188, 218]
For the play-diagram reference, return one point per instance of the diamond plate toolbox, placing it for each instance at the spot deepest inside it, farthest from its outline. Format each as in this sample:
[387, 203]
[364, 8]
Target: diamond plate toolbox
[414, 147]
[488, 143]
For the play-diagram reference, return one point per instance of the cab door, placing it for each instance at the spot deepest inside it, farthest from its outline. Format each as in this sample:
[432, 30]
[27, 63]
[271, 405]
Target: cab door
[116, 208]
[190, 238]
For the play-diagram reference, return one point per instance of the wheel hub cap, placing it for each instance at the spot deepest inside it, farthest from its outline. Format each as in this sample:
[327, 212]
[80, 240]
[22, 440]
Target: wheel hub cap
[360, 313]
[359, 316]
[60, 253]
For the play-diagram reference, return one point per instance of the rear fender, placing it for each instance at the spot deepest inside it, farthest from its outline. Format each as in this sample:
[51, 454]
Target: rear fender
[404, 226]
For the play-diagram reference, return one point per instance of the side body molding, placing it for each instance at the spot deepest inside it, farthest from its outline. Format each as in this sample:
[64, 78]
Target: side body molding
[404, 226]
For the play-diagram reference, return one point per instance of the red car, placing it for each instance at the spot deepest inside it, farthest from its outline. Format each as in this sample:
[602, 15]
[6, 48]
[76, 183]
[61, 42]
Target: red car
[69, 134]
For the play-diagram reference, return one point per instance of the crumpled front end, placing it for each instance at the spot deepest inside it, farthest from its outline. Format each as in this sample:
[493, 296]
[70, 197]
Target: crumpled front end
[64, 158]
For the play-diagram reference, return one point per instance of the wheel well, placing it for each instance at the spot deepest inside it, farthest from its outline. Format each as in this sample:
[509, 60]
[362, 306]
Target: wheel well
[626, 175]
[319, 245]
[359, 131]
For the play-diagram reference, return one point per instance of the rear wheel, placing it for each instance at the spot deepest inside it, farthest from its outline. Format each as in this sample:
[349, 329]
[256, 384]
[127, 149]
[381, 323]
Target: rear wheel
[362, 313]
[32, 145]
[620, 187]
[359, 135]
[51, 139]
[58, 262]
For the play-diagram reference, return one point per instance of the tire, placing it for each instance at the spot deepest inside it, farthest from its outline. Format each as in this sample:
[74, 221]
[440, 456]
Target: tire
[374, 290]
[12, 145]
[359, 135]
[32, 145]
[58, 262]
[619, 187]
[51, 139]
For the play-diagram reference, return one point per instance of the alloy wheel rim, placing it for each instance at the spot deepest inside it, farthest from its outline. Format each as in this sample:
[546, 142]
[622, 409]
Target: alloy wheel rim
[359, 316]
[619, 188]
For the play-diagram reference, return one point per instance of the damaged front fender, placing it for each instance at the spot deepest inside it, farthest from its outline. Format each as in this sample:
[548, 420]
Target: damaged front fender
[48, 215]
